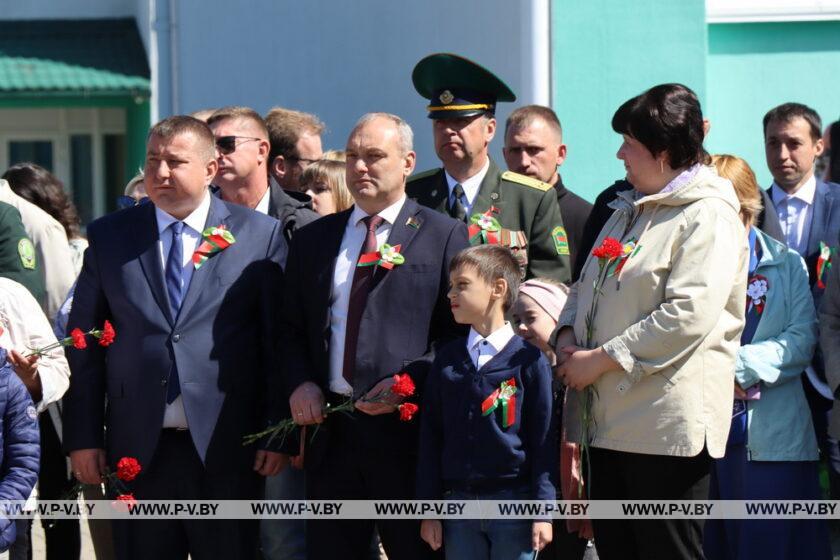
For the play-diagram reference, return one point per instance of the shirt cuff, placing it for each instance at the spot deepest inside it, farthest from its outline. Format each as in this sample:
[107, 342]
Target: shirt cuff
[620, 353]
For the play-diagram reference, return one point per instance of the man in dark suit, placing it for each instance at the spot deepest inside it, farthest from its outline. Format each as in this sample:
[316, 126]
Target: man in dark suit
[194, 365]
[534, 147]
[809, 212]
[350, 328]
[462, 103]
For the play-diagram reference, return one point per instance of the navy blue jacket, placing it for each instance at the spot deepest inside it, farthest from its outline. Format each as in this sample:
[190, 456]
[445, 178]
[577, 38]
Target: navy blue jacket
[224, 340]
[406, 314]
[460, 447]
[19, 444]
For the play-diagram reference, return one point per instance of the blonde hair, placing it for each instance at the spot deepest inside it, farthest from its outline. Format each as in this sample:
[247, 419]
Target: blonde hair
[335, 155]
[743, 179]
[332, 174]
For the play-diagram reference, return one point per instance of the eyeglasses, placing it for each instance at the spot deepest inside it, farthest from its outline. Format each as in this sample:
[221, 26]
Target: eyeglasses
[227, 144]
[124, 202]
[307, 161]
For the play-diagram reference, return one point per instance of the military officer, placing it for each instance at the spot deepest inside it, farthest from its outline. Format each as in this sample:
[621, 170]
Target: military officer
[500, 207]
[18, 260]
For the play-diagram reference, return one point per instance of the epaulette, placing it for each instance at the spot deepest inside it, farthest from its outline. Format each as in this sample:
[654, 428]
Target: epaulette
[525, 180]
[423, 174]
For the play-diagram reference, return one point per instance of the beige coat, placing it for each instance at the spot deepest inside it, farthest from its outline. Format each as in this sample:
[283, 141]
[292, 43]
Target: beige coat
[672, 318]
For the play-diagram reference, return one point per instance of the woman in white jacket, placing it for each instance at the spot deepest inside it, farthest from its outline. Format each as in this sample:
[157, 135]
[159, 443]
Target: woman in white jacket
[662, 339]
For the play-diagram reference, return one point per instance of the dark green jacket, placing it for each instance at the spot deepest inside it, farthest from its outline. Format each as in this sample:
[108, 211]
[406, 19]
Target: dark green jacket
[524, 204]
[18, 261]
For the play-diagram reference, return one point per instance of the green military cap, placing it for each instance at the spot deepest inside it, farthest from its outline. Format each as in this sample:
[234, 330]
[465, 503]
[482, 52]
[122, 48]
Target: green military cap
[458, 87]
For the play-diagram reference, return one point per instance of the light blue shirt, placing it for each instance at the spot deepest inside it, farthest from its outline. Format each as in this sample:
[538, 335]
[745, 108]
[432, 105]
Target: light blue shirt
[795, 213]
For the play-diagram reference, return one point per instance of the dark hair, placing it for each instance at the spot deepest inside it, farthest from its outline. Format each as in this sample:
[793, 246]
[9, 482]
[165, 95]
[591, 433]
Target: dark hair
[666, 118]
[834, 152]
[786, 112]
[171, 127]
[43, 189]
[529, 113]
[491, 262]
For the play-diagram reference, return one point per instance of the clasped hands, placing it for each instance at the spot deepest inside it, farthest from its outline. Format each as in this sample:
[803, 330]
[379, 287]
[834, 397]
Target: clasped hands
[308, 405]
[578, 367]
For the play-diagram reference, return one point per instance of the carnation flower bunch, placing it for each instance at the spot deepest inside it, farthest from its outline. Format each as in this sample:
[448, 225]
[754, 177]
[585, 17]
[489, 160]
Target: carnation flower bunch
[403, 387]
[78, 339]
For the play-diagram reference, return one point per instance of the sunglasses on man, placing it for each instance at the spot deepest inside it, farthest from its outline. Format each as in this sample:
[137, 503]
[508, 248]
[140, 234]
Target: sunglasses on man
[227, 144]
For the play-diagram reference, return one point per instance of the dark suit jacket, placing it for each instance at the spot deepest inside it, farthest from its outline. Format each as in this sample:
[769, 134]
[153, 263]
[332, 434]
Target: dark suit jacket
[406, 314]
[293, 209]
[575, 212]
[224, 340]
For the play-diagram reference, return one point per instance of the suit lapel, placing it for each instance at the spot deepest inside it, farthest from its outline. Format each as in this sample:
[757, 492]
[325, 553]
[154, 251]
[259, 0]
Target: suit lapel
[401, 234]
[150, 260]
[217, 215]
[489, 193]
[439, 194]
[822, 211]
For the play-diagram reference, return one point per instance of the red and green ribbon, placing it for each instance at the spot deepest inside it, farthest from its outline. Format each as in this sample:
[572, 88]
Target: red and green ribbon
[505, 396]
[484, 228]
[824, 264]
[629, 249]
[387, 257]
[213, 240]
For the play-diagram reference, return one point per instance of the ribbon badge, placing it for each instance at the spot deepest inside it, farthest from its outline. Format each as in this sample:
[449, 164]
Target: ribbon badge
[506, 396]
[387, 257]
[484, 228]
[628, 250]
[213, 240]
[824, 264]
[757, 288]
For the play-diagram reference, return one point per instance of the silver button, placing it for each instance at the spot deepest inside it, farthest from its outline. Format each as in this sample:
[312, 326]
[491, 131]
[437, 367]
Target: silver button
[176, 338]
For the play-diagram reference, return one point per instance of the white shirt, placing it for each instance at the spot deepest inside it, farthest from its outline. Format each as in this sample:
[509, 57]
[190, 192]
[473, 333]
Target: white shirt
[173, 415]
[482, 349]
[471, 186]
[262, 205]
[345, 268]
[795, 213]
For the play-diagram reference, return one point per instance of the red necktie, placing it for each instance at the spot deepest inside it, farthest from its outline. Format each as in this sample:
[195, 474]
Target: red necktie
[358, 297]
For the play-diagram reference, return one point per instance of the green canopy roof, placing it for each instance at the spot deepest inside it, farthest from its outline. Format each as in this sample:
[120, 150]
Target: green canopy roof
[78, 58]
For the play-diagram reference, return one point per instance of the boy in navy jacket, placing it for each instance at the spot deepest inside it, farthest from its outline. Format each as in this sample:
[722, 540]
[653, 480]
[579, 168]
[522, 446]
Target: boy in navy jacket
[487, 430]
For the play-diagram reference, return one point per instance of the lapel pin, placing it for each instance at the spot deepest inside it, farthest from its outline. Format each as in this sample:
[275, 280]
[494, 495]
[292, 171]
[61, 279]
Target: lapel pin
[434, 192]
[413, 222]
[494, 196]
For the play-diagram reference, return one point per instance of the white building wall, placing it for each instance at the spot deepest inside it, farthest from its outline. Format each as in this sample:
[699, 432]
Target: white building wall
[341, 59]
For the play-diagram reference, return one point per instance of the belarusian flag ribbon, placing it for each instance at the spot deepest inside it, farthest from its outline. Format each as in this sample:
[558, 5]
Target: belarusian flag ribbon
[213, 240]
[484, 227]
[387, 257]
[823, 264]
[506, 396]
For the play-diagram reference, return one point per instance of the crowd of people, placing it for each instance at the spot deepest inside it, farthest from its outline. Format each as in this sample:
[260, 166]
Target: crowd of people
[678, 340]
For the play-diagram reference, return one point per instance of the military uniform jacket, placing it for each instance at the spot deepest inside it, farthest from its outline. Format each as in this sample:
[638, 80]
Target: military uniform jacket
[524, 204]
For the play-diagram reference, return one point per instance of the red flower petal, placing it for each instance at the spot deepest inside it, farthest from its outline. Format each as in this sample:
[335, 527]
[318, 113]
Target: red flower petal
[79, 341]
[108, 334]
[128, 468]
[403, 385]
[407, 411]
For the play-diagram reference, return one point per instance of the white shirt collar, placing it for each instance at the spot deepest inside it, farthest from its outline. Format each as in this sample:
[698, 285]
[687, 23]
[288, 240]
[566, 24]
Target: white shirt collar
[806, 192]
[389, 214]
[498, 339]
[262, 205]
[471, 185]
[195, 221]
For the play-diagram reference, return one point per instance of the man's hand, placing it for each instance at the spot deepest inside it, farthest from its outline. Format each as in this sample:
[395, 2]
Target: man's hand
[269, 463]
[431, 531]
[88, 465]
[566, 337]
[26, 367]
[540, 534]
[307, 404]
[381, 392]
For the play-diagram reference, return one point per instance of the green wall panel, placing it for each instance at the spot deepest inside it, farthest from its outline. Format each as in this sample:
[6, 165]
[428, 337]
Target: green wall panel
[753, 67]
[603, 53]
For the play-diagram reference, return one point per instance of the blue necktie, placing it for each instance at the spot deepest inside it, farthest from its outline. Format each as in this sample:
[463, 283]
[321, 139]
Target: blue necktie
[174, 270]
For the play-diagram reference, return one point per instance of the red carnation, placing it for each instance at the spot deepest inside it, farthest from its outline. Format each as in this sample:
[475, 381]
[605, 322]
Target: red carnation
[128, 468]
[407, 411]
[78, 339]
[125, 500]
[610, 249]
[403, 385]
[108, 334]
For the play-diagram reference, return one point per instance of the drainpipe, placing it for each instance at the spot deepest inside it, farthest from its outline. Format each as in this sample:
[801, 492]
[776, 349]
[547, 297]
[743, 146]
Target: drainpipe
[540, 51]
